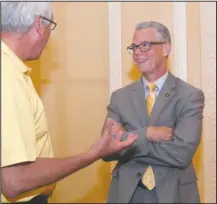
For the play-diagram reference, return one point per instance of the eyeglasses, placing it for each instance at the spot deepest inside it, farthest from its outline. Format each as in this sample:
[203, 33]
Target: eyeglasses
[144, 46]
[53, 24]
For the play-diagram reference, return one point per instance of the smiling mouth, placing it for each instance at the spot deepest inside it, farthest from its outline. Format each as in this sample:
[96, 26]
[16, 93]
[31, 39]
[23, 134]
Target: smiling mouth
[142, 61]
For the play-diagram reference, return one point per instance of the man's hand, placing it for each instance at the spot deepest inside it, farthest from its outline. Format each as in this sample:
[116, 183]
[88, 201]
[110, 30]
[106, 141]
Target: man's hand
[109, 144]
[160, 133]
[117, 129]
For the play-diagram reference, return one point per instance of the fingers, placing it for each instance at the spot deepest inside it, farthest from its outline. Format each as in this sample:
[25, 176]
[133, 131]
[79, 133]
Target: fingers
[132, 135]
[112, 129]
[108, 122]
[107, 130]
[117, 130]
[128, 142]
[167, 133]
[107, 125]
[114, 122]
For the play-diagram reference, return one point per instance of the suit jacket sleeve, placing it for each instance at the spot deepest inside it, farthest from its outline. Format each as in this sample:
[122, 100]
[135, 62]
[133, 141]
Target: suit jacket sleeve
[179, 151]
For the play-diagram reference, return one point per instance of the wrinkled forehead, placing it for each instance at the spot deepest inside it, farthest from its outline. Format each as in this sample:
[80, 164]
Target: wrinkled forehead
[145, 34]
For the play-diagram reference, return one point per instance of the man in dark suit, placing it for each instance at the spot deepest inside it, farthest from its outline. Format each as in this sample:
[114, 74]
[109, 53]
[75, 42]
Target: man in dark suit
[166, 113]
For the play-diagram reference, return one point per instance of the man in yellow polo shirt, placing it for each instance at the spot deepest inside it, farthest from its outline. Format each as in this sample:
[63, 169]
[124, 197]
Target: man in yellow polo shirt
[29, 171]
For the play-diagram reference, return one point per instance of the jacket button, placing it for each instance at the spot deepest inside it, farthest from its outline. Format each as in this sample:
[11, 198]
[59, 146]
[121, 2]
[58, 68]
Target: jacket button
[138, 174]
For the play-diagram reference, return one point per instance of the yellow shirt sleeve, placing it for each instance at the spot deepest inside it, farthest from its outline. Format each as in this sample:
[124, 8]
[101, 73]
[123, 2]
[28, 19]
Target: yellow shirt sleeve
[18, 129]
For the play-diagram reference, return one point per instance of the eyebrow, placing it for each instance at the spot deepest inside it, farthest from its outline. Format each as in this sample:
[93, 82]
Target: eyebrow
[139, 43]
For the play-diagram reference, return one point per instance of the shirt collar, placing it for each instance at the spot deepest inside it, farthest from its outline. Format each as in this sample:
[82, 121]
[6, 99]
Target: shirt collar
[159, 83]
[19, 64]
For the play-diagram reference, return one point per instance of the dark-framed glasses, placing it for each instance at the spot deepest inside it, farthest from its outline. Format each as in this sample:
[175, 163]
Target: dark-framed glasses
[144, 46]
[52, 25]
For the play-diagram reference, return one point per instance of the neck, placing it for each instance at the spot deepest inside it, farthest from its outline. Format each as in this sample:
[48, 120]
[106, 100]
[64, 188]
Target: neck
[155, 75]
[16, 43]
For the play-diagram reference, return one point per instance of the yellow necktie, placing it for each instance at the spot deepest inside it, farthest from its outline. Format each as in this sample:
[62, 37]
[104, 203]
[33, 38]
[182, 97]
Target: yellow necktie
[148, 178]
[151, 97]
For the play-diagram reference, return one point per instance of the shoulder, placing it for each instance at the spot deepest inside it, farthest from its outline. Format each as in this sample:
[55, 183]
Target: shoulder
[186, 89]
[189, 93]
[127, 89]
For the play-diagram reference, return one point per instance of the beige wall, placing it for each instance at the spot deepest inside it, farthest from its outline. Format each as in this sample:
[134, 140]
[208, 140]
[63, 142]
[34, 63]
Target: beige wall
[208, 78]
[72, 79]
[194, 74]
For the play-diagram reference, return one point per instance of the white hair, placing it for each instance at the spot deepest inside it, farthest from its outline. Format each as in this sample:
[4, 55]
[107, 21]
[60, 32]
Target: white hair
[20, 16]
[162, 30]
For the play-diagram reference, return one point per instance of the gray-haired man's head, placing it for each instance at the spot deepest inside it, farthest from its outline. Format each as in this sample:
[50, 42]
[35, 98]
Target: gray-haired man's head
[151, 47]
[28, 23]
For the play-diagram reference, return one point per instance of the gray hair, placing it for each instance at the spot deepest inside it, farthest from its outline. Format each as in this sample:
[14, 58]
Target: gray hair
[162, 30]
[20, 16]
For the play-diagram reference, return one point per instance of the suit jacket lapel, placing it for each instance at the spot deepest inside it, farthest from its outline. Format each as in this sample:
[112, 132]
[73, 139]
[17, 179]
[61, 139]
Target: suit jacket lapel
[138, 97]
[163, 98]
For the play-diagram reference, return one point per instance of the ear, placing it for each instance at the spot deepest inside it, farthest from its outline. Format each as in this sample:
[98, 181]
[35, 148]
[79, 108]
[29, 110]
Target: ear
[38, 25]
[166, 49]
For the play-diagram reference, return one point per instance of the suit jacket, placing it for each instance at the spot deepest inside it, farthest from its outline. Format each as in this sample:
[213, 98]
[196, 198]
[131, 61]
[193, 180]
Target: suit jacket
[178, 106]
